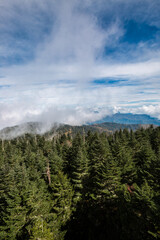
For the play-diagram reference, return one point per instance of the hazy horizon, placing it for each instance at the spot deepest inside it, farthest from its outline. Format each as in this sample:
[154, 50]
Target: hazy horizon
[78, 61]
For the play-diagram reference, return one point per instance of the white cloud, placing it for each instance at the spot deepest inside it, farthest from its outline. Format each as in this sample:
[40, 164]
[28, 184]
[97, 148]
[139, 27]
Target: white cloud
[67, 43]
[74, 106]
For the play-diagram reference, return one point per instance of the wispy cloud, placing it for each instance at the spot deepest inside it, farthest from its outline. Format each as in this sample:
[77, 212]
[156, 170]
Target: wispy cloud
[52, 51]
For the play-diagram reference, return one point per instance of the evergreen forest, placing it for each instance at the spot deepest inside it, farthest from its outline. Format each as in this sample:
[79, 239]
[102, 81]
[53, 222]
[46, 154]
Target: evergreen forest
[86, 186]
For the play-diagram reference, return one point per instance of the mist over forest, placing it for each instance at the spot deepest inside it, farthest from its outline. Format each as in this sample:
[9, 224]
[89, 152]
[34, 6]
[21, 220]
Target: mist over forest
[79, 119]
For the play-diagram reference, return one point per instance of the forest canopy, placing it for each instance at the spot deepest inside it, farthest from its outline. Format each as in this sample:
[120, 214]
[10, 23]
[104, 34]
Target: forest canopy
[83, 186]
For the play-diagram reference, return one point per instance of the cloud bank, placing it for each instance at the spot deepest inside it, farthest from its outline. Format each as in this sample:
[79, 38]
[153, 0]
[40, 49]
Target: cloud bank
[74, 62]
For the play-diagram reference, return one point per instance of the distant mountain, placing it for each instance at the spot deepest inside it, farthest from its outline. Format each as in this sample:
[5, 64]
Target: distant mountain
[129, 118]
[56, 129]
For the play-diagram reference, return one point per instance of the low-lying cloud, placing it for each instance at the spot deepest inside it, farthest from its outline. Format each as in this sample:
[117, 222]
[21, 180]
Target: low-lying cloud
[52, 51]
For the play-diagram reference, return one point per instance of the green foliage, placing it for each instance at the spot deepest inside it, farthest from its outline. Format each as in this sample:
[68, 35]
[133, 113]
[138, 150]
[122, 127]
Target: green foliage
[81, 186]
[61, 196]
[41, 231]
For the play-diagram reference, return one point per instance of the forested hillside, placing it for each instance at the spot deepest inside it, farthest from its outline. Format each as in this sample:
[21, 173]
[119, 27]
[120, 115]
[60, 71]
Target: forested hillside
[89, 186]
[52, 130]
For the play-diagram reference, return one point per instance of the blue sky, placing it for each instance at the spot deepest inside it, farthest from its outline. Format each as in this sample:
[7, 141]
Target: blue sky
[76, 61]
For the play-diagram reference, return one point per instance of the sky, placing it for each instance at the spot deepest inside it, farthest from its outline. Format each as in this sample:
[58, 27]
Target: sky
[77, 61]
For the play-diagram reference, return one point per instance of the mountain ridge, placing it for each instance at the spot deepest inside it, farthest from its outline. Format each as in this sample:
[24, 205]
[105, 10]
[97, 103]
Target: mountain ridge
[129, 118]
[37, 128]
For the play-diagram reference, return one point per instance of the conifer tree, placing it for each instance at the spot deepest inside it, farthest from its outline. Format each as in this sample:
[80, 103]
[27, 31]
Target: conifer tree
[61, 203]
[99, 154]
[144, 159]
